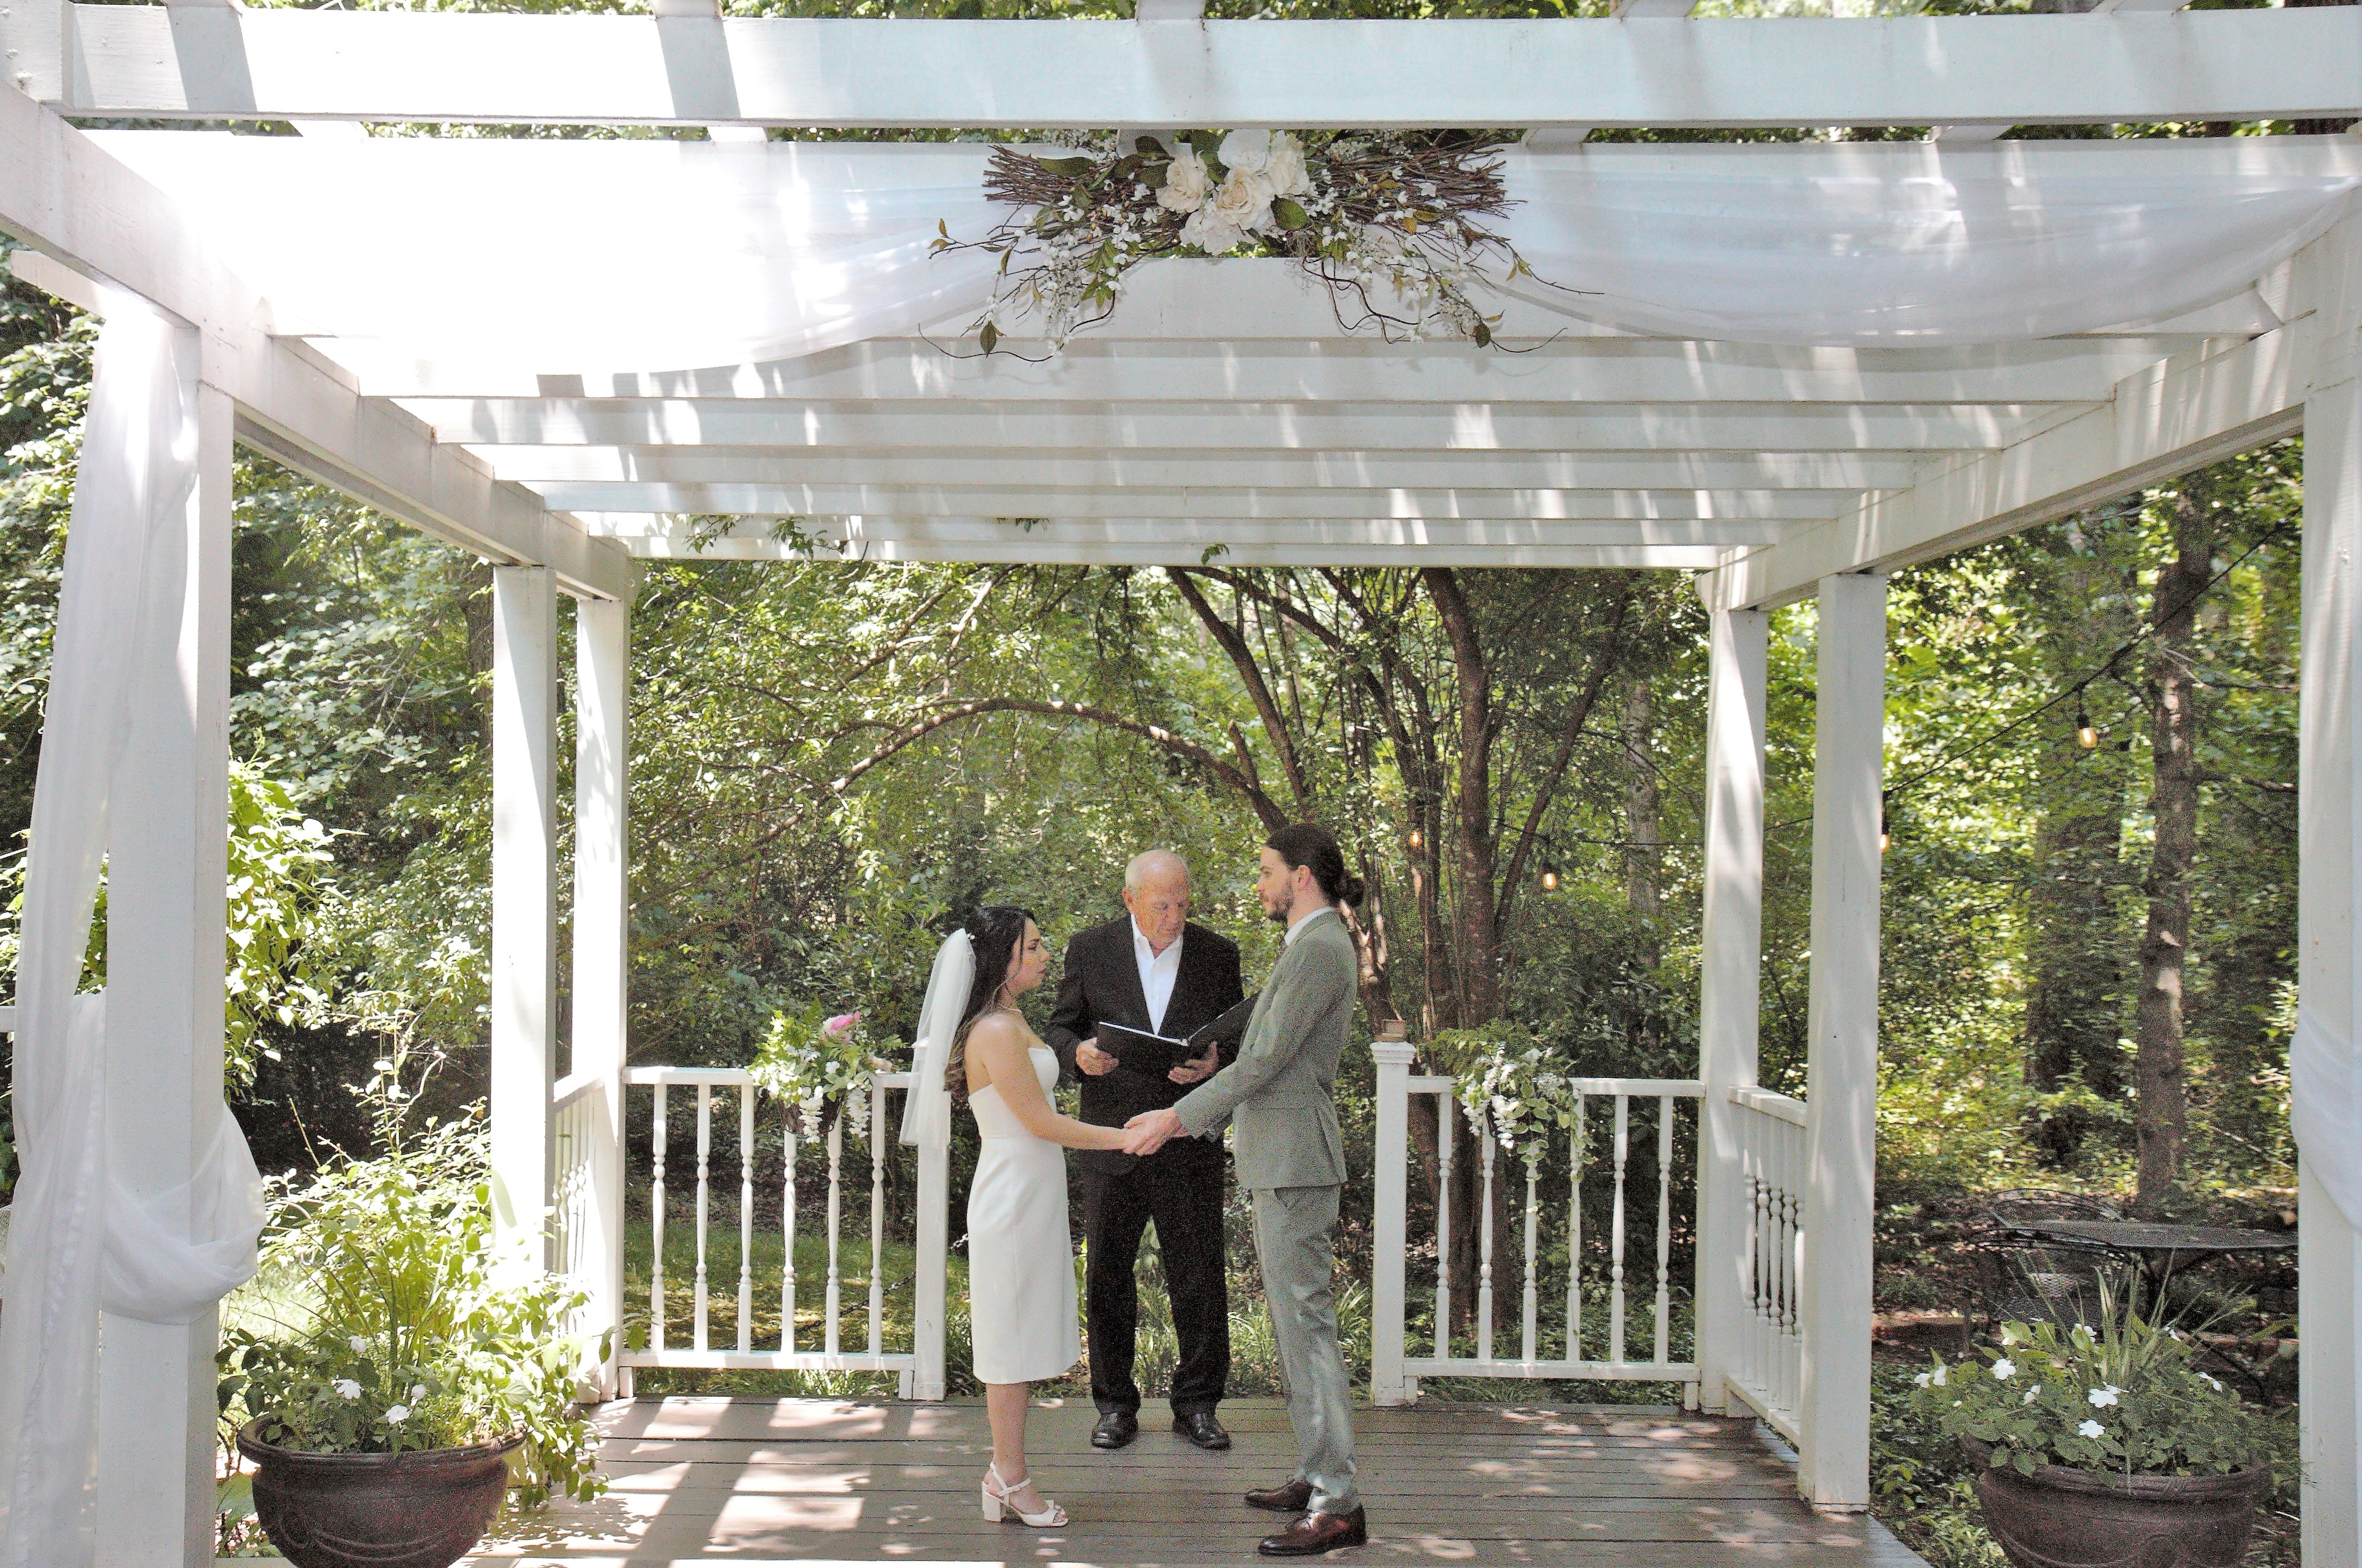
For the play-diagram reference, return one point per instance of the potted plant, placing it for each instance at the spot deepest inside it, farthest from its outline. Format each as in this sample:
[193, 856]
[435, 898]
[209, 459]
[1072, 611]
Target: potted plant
[391, 1381]
[2103, 1443]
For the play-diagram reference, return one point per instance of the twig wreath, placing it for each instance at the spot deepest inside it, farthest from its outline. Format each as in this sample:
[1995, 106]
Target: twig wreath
[1371, 217]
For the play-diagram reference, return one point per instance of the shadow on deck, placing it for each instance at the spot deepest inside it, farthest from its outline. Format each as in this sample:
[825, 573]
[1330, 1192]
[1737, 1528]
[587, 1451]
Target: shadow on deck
[750, 1481]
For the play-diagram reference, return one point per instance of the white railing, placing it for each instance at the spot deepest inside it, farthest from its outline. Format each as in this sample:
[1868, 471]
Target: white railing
[1767, 1363]
[920, 1366]
[1393, 1371]
[585, 1182]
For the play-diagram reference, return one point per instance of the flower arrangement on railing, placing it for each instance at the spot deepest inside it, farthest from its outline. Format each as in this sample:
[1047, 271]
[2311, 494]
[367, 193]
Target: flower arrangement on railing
[807, 1061]
[1509, 1086]
[1366, 215]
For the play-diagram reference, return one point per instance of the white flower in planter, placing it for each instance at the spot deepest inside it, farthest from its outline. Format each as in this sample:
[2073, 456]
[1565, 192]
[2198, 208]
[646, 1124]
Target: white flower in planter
[346, 1388]
[2032, 1395]
[2103, 1397]
[359, 1343]
[2004, 1369]
[2092, 1430]
[1942, 1373]
[1186, 183]
[1921, 1380]
[396, 1414]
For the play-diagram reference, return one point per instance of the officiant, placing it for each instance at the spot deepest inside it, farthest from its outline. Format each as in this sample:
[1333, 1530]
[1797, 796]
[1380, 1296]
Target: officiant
[1154, 970]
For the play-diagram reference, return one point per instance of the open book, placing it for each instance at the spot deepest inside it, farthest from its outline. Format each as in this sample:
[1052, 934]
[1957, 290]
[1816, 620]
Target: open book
[1157, 1055]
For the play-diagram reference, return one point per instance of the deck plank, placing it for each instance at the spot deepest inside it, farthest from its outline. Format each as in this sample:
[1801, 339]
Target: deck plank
[827, 1481]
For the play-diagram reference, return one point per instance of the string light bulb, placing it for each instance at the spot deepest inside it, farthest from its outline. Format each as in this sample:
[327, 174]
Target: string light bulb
[1550, 878]
[1418, 839]
[2085, 735]
[1883, 838]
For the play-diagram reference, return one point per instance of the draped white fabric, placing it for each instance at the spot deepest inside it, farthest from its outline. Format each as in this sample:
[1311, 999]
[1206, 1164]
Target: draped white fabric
[1899, 243]
[2324, 1109]
[76, 1240]
[570, 256]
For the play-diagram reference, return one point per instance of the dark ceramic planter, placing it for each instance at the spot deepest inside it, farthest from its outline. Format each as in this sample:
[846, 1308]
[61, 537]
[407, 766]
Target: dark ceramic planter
[422, 1509]
[2059, 1518]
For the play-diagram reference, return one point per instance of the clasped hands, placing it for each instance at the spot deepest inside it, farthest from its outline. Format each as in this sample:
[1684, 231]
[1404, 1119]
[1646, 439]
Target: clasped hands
[1152, 1129]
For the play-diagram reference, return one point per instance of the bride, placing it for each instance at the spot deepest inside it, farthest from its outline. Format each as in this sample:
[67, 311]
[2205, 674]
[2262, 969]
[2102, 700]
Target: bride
[1020, 1251]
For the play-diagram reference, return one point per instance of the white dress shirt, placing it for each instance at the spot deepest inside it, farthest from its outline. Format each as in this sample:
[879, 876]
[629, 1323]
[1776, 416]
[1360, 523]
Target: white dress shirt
[1301, 922]
[1157, 973]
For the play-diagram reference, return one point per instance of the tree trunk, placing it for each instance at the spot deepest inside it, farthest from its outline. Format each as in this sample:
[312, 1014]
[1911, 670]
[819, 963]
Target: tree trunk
[1479, 944]
[2072, 1020]
[2162, 1116]
[1644, 856]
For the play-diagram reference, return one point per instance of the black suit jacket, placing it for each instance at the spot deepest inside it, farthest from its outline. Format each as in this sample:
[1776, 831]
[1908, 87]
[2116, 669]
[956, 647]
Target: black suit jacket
[1100, 984]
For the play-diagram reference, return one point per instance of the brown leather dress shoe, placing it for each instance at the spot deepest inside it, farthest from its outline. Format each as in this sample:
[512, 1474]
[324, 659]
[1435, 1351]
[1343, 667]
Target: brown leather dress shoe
[1316, 1533]
[1287, 1498]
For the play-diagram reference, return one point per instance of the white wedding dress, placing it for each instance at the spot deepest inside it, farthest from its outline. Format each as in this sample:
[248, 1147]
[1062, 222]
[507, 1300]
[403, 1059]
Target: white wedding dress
[1021, 1267]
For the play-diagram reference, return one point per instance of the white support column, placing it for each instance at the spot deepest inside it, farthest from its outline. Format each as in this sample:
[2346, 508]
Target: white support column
[603, 669]
[1730, 969]
[525, 904]
[168, 857]
[1390, 1221]
[1841, 1022]
[928, 1381]
[2329, 843]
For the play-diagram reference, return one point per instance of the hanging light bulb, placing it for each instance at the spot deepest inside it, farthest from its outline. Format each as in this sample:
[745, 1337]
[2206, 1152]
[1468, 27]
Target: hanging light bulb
[1550, 878]
[2085, 735]
[1883, 840]
[1418, 839]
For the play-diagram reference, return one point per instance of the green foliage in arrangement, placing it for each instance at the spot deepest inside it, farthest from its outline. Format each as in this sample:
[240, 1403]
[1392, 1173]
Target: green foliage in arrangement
[2123, 1396]
[383, 1321]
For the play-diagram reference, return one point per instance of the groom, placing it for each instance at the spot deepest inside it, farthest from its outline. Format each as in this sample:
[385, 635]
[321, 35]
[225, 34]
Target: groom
[1279, 1097]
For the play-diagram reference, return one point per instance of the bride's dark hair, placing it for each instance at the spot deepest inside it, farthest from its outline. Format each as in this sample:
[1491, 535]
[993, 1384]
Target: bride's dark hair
[994, 934]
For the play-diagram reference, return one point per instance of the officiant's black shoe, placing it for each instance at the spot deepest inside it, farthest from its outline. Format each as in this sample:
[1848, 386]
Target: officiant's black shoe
[1287, 1498]
[1200, 1427]
[1116, 1429]
[1316, 1533]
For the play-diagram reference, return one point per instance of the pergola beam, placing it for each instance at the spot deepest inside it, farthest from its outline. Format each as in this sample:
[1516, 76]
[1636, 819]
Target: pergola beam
[91, 217]
[1619, 373]
[2187, 412]
[1178, 538]
[140, 60]
[1745, 507]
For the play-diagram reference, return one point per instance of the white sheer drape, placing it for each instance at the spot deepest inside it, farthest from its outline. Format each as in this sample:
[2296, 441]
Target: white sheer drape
[77, 1241]
[926, 1109]
[2325, 1110]
[570, 256]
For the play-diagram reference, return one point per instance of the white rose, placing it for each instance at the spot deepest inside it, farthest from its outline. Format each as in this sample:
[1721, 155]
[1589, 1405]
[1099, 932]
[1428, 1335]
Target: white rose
[1247, 150]
[1286, 171]
[1185, 182]
[1208, 232]
[1242, 202]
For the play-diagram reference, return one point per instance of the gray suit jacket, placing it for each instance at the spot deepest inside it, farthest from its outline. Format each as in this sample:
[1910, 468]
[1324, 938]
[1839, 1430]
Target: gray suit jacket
[1278, 1094]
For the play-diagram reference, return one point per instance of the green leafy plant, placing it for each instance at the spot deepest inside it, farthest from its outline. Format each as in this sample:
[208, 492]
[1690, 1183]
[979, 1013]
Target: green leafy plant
[2124, 1395]
[381, 1321]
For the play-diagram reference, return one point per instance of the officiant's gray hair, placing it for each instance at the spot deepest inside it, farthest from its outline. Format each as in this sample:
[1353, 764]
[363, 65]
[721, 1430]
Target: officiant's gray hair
[1152, 863]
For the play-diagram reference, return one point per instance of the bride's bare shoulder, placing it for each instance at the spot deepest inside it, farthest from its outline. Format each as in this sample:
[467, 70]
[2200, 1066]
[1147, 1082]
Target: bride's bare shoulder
[1000, 1028]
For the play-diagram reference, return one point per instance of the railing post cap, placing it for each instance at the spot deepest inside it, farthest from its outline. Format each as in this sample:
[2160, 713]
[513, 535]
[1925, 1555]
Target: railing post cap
[1393, 1053]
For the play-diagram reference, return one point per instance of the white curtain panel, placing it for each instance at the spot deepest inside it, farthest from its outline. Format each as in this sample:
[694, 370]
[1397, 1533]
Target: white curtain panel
[618, 255]
[1904, 243]
[167, 1257]
[2325, 1110]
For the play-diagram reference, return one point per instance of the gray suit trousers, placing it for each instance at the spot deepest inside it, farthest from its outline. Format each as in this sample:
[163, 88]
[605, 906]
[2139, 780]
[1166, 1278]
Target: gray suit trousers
[1294, 1236]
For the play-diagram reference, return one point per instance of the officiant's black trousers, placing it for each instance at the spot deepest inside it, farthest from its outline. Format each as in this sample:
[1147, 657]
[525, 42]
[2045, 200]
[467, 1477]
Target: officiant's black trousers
[1180, 1188]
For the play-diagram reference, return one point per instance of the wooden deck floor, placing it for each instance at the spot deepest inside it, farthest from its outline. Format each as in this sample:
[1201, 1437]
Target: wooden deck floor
[755, 1481]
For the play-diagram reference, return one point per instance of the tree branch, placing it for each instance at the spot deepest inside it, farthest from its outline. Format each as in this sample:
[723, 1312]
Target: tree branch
[1577, 717]
[1250, 670]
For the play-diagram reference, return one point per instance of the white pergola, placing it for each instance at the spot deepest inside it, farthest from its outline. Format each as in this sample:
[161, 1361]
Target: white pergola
[1776, 473]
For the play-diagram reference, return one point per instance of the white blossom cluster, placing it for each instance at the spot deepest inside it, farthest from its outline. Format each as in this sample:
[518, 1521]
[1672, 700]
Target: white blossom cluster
[1264, 167]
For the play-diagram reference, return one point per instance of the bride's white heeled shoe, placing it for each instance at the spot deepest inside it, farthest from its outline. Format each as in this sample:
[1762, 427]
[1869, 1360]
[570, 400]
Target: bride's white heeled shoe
[996, 1502]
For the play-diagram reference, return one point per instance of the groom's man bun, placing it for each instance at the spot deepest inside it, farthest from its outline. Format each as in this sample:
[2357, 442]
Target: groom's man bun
[1308, 843]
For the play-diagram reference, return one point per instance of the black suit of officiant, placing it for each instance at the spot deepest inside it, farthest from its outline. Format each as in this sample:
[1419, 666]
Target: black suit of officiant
[1180, 1187]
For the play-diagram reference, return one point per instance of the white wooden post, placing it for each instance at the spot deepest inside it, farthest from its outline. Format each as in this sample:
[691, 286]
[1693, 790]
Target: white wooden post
[1841, 1021]
[1730, 969]
[602, 659]
[1387, 1384]
[167, 863]
[2329, 840]
[524, 905]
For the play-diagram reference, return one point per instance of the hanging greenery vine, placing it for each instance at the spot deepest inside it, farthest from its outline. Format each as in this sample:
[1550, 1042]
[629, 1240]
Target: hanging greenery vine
[1399, 233]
